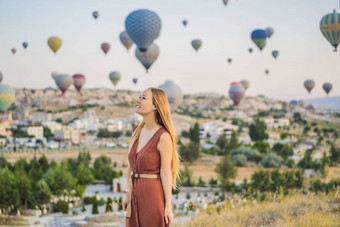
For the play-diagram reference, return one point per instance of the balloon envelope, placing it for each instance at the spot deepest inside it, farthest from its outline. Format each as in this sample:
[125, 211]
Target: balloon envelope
[269, 31]
[196, 44]
[143, 27]
[309, 85]
[330, 28]
[78, 81]
[327, 87]
[245, 84]
[13, 50]
[266, 71]
[125, 39]
[185, 22]
[25, 44]
[95, 14]
[134, 80]
[236, 92]
[1, 77]
[63, 82]
[250, 50]
[54, 75]
[230, 60]
[259, 38]
[54, 43]
[275, 53]
[225, 2]
[105, 47]
[7, 96]
[149, 57]
[114, 77]
[174, 94]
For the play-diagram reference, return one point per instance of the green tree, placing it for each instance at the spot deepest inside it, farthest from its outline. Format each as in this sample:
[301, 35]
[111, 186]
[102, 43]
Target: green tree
[226, 171]
[335, 153]
[187, 177]
[234, 140]
[189, 152]
[272, 160]
[222, 141]
[194, 133]
[9, 195]
[24, 188]
[84, 175]
[108, 207]
[42, 194]
[47, 132]
[257, 130]
[262, 146]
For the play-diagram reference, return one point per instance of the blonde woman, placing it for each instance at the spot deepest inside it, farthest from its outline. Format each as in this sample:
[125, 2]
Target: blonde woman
[153, 163]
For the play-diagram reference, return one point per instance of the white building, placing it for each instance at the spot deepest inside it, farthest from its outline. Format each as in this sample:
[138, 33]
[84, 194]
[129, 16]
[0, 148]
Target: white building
[36, 131]
[67, 133]
[52, 125]
[40, 117]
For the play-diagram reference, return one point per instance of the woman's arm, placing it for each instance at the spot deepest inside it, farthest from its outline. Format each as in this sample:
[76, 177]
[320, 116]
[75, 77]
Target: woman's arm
[165, 150]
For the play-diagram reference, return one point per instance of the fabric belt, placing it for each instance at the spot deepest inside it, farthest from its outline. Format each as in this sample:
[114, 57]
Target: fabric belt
[130, 185]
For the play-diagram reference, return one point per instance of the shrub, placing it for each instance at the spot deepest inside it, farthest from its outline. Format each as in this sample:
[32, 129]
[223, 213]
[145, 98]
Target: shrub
[61, 206]
[272, 160]
[239, 160]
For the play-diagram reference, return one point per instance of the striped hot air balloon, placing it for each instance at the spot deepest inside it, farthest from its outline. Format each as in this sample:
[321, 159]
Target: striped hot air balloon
[245, 84]
[7, 96]
[309, 85]
[330, 28]
[236, 92]
[63, 82]
[149, 57]
[78, 81]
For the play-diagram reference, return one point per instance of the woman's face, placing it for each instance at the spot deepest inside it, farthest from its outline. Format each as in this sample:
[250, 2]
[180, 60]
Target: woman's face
[144, 103]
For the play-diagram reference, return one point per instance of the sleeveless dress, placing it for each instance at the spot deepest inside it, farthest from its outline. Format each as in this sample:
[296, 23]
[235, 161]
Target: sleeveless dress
[147, 199]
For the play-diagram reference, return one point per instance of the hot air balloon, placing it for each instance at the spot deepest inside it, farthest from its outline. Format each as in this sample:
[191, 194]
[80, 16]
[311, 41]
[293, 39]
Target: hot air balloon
[230, 60]
[185, 22]
[54, 43]
[236, 92]
[78, 81]
[125, 39]
[330, 28]
[275, 53]
[114, 77]
[259, 38]
[225, 2]
[174, 94]
[1, 77]
[134, 80]
[266, 71]
[150, 56]
[63, 82]
[250, 50]
[13, 50]
[293, 102]
[270, 32]
[309, 85]
[327, 87]
[143, 27]
[95, 14]
[245, 84]
[54, 75]
[7, 96]
[105, 47]
[25, 44]
[196, 44]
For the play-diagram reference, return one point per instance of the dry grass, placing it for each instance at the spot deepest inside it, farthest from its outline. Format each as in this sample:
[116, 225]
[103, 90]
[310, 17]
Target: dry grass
[294, 210]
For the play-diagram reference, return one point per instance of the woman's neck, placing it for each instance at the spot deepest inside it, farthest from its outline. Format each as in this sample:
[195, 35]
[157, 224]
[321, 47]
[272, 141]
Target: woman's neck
[150, 122]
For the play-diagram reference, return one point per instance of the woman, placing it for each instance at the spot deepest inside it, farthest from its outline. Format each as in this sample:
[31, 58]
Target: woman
[153, 163]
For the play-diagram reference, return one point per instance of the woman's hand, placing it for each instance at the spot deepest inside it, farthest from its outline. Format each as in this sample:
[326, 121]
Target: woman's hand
[168, 215]
[126, 201]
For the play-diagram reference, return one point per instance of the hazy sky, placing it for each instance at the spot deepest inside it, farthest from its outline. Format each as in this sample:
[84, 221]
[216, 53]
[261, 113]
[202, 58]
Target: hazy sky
[224, 30]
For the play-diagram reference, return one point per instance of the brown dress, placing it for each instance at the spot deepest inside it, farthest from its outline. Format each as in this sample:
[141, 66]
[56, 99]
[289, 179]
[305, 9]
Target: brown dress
[147, 199]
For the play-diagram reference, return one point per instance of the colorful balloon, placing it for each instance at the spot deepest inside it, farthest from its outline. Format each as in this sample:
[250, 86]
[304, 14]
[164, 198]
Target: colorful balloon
[185, 22]
[275, 53]
[236, 92]
[13, 50]
[230, 60]
[125, 39]
[7, 97]
[78, 81]
[245, 84]
[54, 75]
[259, 38]
[174, 94]
[149, 57]
[63, 82]
[309, 85]
[114, 77]
[269, 31]
[105, 47]
[134, 80]
[1, 77]
[330, 28]
[95, 14]
[143, 27]
[196, 44]
[327, 87]
[25, 44]
[54, 43]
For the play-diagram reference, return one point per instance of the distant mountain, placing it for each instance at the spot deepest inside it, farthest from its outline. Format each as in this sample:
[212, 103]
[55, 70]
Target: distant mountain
[326, 103]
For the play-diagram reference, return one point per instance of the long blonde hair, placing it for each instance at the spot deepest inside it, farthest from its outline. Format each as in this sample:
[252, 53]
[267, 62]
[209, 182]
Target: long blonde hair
[163, 117]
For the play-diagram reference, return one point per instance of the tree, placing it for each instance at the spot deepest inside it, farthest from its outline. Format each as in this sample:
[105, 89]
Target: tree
[187, 177]
[262, 146]
[335, 153]
[102, 160]
[257, 130]
[42, 194]
[286, 151]
[272, 160]
[222, 141]
[84, 175]
[194, 134]
[108, 207]
[226, 171]
[189, 152]
[24, 187]
[9, 195]
[47, 132]
[234, 140]
[239, 160]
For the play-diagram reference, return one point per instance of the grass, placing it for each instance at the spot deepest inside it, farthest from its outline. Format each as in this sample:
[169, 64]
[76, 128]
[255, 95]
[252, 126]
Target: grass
[293, 210]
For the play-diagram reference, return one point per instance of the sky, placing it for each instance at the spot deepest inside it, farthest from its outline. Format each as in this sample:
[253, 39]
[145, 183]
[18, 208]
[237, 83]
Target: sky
[224, 30]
